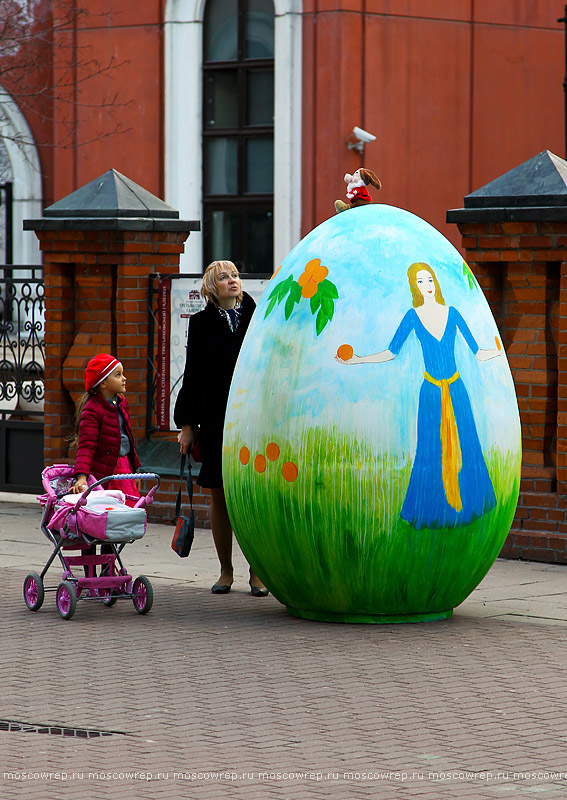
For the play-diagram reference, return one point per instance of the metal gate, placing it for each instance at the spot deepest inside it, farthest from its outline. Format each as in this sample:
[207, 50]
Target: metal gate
[21, 378]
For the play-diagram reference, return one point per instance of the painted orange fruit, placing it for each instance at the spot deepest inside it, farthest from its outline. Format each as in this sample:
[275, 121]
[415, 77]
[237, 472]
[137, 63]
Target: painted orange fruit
[498, 343]
[260, 463]
[290, 471]
[345, 352]
[244, 455]
[272, 451]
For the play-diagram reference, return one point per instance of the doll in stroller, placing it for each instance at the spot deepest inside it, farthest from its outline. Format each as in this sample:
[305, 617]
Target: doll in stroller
[77, 524]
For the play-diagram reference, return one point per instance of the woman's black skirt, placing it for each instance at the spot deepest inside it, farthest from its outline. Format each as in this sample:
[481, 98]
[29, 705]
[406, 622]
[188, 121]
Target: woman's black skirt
[210, 476]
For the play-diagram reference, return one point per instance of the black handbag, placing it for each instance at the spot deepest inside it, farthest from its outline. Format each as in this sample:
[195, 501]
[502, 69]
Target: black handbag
[184, 526]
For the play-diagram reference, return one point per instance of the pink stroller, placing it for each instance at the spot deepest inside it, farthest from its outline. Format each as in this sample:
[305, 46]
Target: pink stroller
[74, 522]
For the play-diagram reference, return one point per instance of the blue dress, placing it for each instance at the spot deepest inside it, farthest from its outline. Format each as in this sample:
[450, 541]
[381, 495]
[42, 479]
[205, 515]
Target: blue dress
[425, 504]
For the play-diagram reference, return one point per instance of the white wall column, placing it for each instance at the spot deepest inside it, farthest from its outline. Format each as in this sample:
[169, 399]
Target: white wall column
[287, 128]
[183, 118]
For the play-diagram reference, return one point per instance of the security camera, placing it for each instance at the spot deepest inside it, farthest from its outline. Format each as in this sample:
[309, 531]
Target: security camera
[363, 135]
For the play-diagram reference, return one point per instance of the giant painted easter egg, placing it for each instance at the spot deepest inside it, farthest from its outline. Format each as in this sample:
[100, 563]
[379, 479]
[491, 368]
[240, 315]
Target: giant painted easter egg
[372, 440]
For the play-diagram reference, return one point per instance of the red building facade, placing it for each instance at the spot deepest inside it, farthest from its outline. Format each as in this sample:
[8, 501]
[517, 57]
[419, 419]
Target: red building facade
[455, 91]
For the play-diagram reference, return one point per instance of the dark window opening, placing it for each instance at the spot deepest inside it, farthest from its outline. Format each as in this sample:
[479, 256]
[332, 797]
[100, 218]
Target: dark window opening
[238, 133]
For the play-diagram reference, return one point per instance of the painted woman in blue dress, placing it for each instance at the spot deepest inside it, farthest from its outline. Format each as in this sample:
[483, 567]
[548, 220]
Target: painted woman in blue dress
[449, 483]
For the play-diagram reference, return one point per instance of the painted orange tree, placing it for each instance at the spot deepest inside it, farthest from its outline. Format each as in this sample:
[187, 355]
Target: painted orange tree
[311, 285]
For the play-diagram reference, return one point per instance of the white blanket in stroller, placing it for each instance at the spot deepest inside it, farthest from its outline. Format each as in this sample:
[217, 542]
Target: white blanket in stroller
[105, 516]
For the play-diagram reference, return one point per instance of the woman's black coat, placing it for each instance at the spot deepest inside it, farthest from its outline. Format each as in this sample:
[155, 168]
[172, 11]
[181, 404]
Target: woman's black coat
[212, 350]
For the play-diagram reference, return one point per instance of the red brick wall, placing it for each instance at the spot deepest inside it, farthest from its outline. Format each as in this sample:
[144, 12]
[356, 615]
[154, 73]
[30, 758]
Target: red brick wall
[59, 334]
[163, 507]
[522, 268]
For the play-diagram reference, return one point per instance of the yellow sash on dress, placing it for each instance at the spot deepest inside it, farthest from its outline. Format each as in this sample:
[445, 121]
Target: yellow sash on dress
[452, 458]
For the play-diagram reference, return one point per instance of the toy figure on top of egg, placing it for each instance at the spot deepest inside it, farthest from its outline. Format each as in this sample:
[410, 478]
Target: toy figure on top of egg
[357, 193]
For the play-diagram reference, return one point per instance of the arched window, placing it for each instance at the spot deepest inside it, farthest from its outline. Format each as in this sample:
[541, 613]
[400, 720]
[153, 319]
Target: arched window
[238, 133]
[21, 167]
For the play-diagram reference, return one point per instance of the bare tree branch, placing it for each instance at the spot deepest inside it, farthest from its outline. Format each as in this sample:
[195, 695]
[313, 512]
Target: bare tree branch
[45, 71]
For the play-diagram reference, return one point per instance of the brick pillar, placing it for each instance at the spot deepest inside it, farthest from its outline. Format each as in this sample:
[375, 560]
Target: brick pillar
[561, 248]
[515, 236]
[59, 334]
[99, 246]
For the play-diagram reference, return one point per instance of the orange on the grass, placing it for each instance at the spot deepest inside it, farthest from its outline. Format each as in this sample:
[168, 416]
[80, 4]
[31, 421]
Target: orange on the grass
[273, 451]
[244, 456]
[290, 471]
[345, 352]
[260, 463]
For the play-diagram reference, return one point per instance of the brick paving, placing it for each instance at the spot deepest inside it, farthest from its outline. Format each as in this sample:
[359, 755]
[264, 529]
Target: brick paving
[229, 697]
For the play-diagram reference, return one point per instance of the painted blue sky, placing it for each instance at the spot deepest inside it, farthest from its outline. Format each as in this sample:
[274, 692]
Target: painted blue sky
[288, 377]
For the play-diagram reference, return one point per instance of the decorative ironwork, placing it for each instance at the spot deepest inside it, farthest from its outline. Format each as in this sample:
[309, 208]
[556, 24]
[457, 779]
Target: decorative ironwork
[22, 348]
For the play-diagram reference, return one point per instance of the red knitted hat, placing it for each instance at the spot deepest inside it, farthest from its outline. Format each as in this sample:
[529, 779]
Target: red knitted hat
[98, 369]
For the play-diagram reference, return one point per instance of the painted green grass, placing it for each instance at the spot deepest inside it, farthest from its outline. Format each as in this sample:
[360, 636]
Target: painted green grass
[334, 540]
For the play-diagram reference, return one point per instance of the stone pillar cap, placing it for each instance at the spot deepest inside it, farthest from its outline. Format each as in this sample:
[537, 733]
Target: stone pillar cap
[111, 201]
[535, 190]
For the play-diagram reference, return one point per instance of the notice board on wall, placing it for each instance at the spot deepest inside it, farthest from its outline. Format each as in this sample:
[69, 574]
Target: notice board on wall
[178, 298]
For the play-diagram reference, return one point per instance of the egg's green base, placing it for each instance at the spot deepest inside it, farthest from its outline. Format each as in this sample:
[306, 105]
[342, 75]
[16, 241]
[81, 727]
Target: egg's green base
[374, 619]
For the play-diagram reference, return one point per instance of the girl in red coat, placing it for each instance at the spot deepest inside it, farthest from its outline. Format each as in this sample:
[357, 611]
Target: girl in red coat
[105, 444]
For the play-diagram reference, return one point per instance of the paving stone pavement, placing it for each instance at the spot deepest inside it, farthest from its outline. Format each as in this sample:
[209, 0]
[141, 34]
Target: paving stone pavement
[229, 697]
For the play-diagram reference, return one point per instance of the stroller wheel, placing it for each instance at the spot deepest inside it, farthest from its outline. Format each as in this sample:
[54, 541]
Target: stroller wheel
[109, 598]
[34, 593]
[66, 599]
[142, 594]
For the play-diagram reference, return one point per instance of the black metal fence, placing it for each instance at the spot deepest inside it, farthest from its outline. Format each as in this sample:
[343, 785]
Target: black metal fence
[22, 358]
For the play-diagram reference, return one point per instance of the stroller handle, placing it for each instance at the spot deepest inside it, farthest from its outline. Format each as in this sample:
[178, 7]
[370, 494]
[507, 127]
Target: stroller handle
[126, 476]
[133, 476]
